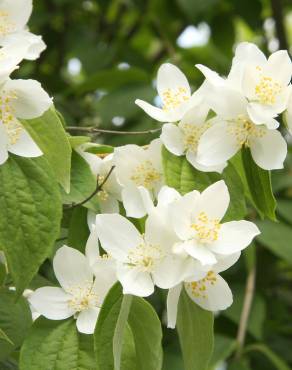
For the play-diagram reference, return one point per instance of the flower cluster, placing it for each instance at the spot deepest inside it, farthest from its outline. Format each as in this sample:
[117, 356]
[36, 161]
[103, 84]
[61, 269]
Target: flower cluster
[19, 99]
[184, 241]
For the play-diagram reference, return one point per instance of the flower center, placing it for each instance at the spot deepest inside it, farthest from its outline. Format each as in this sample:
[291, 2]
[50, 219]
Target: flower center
[198, 288]
[83, 298]
[243, 129]
[207, 230]
[102, 194]
[267, 89]
[7, 118]
[145, 256]
[173, 98]
[192, 134]
[146, 175]
[6, 26]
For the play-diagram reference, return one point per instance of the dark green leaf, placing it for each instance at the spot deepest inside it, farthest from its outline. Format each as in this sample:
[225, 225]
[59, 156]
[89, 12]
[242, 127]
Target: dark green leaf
[56, 345]
[195, 329]
[223, 348]
[78, 231]
[259, 183]
[279, 363]
[30, 214]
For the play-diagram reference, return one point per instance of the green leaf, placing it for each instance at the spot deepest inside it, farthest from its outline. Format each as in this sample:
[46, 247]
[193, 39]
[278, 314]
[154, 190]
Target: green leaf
[30, 215]
[49, 134]
[78, 231]
[5, 337]
[75, 141]
[56, 345]
[105, 331]
[15, 321]
[147, 333]
[284, 208]
[181, 175]
[259, 183]
[120, 330]
[277, 237]
[223, 348]
[269, 354]
[83, 184]
[195, 329]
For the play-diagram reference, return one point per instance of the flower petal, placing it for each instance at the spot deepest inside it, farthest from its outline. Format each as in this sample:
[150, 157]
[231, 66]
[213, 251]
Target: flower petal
[117, 235]
[25, 146]
[192, 158]
[52, 303]
[134, 281]
[92, 247]
[234, 236]
[172, 138]
[214, 200]
[32, 100]
[283, 73]
[211, 76]
[86, 320]
[172, 305]
[71, 268]
[104, 270]
[269, 151]
[200, 252]
[171, 77]
[224, 262]
[262, 114]
[216, 296]
[18, 11]
[137, 201]
[217, 145]
[156, 113]
[167, 195]
[3, 145]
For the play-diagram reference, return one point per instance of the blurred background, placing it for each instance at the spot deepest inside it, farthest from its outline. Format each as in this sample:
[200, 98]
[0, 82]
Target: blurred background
[104, 54]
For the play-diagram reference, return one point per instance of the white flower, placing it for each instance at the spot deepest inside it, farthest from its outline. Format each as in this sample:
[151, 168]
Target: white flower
[110, 195]
[34, 314]
[81, 295]
[196, 221]
[142, 260]
[211, 292]
[137, 167]
[20, 99]
[288, 115]
[233, 129]
[264, 82]
[184, 138]
[175, 94]
[14, 16]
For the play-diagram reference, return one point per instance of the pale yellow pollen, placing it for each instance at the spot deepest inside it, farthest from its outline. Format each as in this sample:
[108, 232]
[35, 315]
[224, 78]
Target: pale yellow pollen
[207, 230]
[146, 175]
[198, 288]
[267, 89]
[145, 256]
[173, 98]
[82, 298]
[243, 129]
[7, 117]
[192, 134]
[6, 25]
[102, 194]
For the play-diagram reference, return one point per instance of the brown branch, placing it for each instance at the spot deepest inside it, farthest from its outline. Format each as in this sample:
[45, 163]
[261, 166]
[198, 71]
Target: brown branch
[96, 191]
[247, 303]
[94, 130]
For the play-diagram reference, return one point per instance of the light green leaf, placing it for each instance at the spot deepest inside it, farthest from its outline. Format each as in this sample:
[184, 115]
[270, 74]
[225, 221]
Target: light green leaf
[15, 321]
[105, 332]
[147, 333]
[30, 215]
[56, 345]
[277, 237]
[83, 184]
[259, 183]
[181, 175]
[195, 329]
[269, 354]
[49, 134]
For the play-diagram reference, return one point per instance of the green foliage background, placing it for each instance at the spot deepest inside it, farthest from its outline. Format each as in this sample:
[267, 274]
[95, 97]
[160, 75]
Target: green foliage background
[119, 46]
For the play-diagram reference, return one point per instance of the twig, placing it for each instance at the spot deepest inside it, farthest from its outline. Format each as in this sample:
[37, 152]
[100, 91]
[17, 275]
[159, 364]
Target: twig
[93, 130]
[97, 190]
[248, 298]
